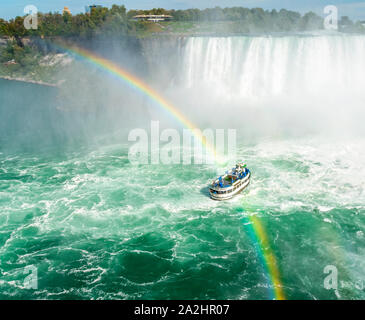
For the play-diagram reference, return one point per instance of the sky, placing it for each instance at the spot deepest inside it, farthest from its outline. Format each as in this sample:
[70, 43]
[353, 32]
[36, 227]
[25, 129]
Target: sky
[353, 8]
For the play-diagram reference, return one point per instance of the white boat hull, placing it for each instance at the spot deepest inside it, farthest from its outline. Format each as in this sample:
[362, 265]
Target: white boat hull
[228, 193]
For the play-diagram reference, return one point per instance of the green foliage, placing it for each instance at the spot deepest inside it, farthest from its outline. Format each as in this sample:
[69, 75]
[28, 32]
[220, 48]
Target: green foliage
[19, 56]
[2, 27]
[251, 20]
[24, 62]
[357, 27]
[99, 20]
[117, 21]
[310, 21]
[347, 25]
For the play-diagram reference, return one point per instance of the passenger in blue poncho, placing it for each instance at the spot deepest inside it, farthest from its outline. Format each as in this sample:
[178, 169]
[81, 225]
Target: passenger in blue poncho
[221, 182]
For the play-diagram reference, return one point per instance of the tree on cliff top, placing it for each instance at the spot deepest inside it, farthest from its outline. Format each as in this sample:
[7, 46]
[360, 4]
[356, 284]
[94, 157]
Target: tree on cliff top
[14, 29]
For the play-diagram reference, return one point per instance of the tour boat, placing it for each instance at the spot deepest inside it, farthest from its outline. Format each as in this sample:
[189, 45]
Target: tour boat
[231, 183]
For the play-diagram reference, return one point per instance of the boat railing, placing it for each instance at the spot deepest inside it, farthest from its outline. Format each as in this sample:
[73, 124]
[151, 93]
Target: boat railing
[231, 187]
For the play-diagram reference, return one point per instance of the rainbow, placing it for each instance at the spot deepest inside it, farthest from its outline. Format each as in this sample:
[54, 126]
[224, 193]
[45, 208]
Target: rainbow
[255, 229]
[258, 236]
[140, 86]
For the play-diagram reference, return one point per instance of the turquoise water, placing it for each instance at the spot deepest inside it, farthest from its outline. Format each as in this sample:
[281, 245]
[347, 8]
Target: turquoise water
[96, 227]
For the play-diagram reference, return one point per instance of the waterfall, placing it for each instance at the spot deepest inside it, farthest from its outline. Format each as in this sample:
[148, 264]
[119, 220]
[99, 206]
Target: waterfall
[275, 85]
[253, 67]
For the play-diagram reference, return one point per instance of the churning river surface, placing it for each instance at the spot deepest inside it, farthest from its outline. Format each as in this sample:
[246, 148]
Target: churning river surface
[97, 227]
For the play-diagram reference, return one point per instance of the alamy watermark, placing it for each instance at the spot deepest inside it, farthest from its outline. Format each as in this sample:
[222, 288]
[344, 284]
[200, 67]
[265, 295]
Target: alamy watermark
[332, 282]
[169, 147]
[31, 20]
[30, 281]
[331, 20]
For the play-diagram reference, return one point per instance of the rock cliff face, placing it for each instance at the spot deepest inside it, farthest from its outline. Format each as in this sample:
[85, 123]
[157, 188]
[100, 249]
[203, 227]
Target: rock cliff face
[3, 42]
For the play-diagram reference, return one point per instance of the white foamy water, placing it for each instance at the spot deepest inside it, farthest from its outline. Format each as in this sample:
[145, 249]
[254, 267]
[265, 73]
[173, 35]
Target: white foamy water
[98, 227]
[254, 67]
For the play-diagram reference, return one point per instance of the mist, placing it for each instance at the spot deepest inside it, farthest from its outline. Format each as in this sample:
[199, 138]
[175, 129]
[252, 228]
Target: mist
[267, 86]
[264, 87]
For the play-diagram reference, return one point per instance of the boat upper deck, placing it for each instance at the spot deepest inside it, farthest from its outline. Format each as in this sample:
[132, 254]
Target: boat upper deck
[230, 178]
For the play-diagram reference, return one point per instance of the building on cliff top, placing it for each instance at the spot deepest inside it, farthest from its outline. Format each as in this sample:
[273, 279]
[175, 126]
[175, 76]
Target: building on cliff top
[66, 10]
[152, 17]
[90, 7]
